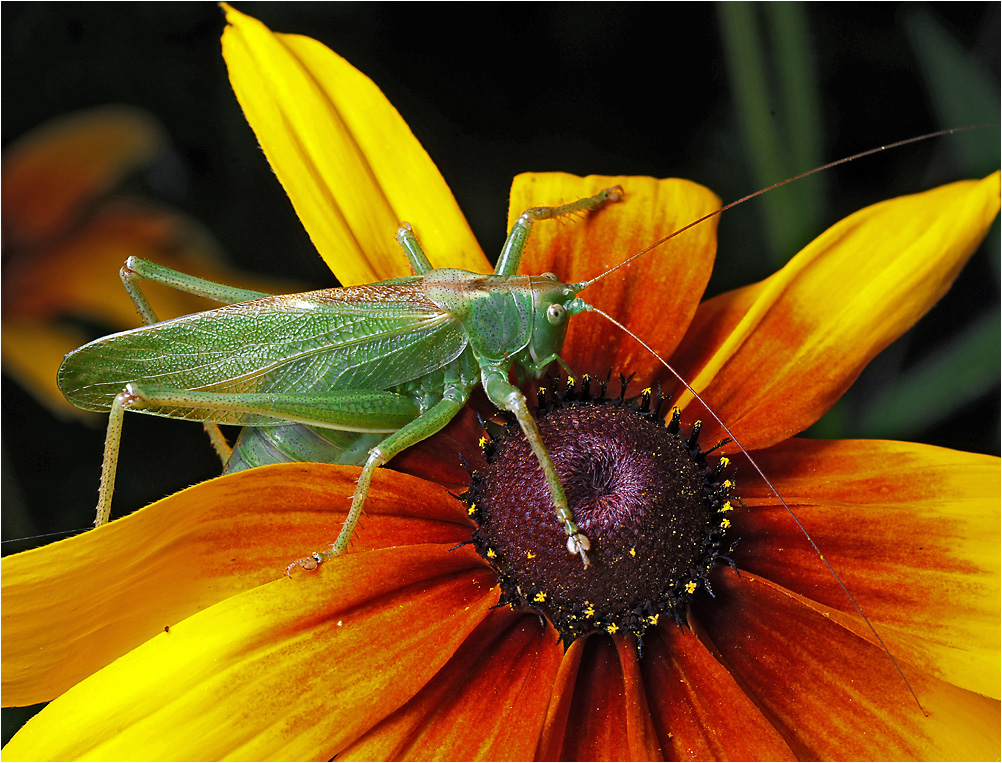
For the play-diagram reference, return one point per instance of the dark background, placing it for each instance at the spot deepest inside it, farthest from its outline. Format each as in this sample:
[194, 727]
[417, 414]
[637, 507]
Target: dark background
[498, 90]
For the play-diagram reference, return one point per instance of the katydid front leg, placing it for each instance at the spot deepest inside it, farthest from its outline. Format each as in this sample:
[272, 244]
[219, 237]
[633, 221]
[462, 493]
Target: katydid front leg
[508, 397]
[511, 253]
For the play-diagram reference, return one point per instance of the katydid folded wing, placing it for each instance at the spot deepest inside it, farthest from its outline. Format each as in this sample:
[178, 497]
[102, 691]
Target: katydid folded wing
[370, 337]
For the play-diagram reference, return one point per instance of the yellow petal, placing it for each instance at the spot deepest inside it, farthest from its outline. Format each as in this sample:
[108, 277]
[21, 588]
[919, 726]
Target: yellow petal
[352, 168]
[771, 358]
[831, 693]
[75, 606]
[290, 670]
[487, 703]
[910, 529]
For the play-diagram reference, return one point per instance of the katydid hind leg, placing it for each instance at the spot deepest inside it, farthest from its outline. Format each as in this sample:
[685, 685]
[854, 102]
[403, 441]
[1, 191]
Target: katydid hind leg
[361, 410]
[109, 463]
[135, 270]
[423, 427]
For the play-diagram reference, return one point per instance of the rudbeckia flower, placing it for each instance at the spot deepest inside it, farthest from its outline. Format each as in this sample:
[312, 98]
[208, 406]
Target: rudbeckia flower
[173, 633]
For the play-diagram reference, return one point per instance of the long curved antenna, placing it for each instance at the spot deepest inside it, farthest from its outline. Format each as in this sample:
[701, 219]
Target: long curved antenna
[585, 284]
[755, 466]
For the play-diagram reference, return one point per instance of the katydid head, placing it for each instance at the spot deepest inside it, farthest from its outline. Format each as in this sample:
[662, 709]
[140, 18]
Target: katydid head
[553, 305]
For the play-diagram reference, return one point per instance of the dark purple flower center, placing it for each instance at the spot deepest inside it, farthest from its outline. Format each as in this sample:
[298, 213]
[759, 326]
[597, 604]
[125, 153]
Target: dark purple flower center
[641, 491]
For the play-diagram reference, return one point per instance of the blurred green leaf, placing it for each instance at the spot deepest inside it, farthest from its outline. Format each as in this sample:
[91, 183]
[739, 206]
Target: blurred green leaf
[776, 93]
[935, 389]
[960, 90]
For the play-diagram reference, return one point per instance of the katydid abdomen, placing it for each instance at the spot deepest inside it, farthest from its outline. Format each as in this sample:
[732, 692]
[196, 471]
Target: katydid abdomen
[260, 446]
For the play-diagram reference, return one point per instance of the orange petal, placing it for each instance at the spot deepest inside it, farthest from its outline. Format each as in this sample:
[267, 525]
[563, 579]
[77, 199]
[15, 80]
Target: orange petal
[655, 296]
[295, 669]
[551, 741]
[78, 276]
[912, 530]
[53, 171]
[487, 703]
[599, 708]
[700, 711]
[832, 694]
[187, 552]
[771, 358]
[352, 168]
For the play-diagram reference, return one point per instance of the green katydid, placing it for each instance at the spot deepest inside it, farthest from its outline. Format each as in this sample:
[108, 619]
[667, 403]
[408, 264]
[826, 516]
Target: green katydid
[358, 374]
[355, 375]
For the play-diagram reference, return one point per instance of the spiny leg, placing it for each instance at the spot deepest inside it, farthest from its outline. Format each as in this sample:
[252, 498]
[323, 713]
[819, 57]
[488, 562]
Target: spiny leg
[420, 429]
[358, 410]
[109, 463]
[511, 253]
[510, 398]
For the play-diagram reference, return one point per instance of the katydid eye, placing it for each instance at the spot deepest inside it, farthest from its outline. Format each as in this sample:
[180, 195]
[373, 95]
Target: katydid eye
[555, 314]
[551, 276]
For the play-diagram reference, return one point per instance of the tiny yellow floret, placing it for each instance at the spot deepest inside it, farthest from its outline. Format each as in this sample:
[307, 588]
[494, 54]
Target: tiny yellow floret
[690, 587]
[530, 555]
[539, 597]
[491, 554]
[612, 628]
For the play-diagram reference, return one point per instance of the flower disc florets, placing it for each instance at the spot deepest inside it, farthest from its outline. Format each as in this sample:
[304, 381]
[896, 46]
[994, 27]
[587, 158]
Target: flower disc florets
[642, 492]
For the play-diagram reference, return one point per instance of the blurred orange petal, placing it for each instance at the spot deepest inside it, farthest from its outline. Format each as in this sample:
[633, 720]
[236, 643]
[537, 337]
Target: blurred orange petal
[51, 174]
